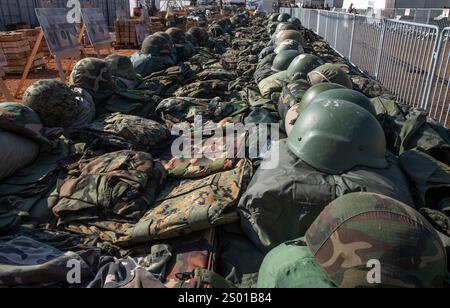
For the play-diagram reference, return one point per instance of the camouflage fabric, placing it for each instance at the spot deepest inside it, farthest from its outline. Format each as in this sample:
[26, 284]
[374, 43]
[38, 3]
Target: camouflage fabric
[204, 89]
[106, 195]
[26, 262]
[330, 73]
[369, 87]
[179, 109]
[291, 94]
[86, 110]
[24, 197]
[193, 205]
[93, 75]
[211, 157]
[53, 101]
[145, 64]
[216, 74]
[121, 66]
[347, 235]
[124, 132]
[21, 120]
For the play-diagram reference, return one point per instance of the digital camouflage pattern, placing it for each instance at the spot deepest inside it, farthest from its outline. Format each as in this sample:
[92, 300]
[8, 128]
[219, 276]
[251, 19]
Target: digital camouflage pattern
[291, 95]
[106, 195]
[360, 227]
[124, 132]
[369, 87]
[121, 66]
[54, 102]
[93, 75]
[188, 206]
[22, 120]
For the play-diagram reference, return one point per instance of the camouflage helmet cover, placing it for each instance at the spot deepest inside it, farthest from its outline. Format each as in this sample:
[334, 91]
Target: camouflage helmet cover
[177, 35]
[54, 102]
[362, 227]
[200, 35]
[93, 74]
[121, 66]
[330, 73]
[22, 120]
[156, 45]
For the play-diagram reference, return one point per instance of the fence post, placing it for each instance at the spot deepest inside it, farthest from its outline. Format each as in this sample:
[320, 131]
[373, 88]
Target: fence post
[337, 26]
[380, 49]
[436, 54]
[351, 39]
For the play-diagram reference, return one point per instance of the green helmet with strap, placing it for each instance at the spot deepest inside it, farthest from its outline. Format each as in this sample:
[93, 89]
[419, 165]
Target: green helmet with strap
[296, 22]
[362, 232]
[289, 35]
[337, 136]
[284, 26]
[284, 59]
[330, 73]
[316, 90]
[302, 66]
[283, 17]
[342, 94]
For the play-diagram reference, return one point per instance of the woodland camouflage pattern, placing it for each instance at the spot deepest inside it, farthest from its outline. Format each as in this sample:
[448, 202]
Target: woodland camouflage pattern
[54, 102]
[354, 229]
[19, 119]
[93, 75]
[121, 66]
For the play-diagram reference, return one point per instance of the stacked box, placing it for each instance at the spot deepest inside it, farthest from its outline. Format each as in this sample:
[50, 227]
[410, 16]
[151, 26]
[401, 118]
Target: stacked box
[17, 49]
[32, 35]
[126, 33]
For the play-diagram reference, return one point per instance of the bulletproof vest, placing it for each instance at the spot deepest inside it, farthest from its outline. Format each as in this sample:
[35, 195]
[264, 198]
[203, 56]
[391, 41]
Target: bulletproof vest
[293, 194]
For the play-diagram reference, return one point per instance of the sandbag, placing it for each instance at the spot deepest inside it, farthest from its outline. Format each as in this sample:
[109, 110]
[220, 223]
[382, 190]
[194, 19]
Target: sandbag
[272, 84]
[17, 152]
[282, 201]
[292, 265]
[187, 206]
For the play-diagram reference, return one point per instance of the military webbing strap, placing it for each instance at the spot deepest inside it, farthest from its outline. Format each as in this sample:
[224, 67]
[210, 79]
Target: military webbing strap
[212, 279]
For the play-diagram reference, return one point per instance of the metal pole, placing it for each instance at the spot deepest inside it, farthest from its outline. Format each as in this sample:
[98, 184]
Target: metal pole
[380, 50]
[351, 39]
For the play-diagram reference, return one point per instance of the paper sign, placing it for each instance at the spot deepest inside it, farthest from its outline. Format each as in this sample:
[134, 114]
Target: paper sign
[96, 27]
[142, 31]
[3, 62]
[407, 12]
[61, 36]
[446, 13]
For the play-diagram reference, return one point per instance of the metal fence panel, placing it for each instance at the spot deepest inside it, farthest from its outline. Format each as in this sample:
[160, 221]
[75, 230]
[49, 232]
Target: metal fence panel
[407, 58]
[439, 106]
[322, 23]
[332, 28]
[345, 27]
[366, 43]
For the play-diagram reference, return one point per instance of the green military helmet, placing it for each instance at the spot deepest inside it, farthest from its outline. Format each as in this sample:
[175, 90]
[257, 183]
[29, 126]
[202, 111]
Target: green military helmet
[284, 26]
[165, 36]
[274, 17]
[346, 95]
[121, 66]
[316, 90]
[289, 35]
[22, 120]
[330, 73]
[296, 22]
[200, 35]
[362, 233]
[177, 35]
[289, 45]
[283, 17]
[336, 136]
[156, 45]
[302, 66]
[54, 102]
[290, 119]
[292, 265]
[93, 75]
[284, 59]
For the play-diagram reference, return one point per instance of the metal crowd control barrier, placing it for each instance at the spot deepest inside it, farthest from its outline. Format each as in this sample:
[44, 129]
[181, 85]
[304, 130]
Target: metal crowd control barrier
[411, 60]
